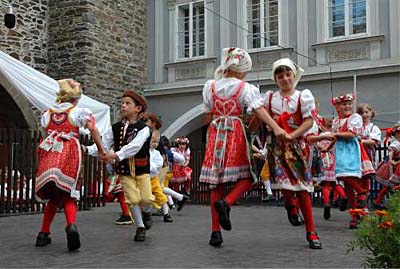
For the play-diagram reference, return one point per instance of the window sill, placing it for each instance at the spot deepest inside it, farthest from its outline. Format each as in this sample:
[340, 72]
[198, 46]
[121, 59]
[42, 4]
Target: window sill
[191, 60]
[348, 40]
[266, 49]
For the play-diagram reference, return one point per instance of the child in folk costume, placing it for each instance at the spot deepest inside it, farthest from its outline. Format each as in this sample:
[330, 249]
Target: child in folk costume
[182, 173]
[130, 138]
[265, 174]
[169, 159]
[227, 157]
[156, 162]
[289, 160]
[60, 160]
[388, 172]
[328, 180]
[370, 138]
[352, 162]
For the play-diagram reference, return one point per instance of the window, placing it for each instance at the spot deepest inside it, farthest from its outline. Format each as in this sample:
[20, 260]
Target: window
[347, 17]
[191, 30]
[263, 23]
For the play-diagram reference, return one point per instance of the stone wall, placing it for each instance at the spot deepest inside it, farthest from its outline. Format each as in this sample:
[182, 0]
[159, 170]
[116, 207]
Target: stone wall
[27, 41]
[101, 43]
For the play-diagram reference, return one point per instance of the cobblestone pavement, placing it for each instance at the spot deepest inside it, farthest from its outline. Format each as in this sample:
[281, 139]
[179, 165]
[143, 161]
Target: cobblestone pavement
[261, 237]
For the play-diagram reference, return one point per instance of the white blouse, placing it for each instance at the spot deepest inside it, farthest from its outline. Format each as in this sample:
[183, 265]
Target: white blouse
[78, 116]
[354, 124]
[371, 131]
[395, 145]
[280, 104]
[249, 97]
[156, 162]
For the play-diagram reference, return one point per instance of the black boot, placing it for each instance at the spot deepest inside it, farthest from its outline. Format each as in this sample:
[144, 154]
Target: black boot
[182, 202]
[147, 221]
[343, 204]
[43, 239]
[140, 235]
[73, 241]
[223, 210]
[315, 243]
[216, 239]
[167, 218]
[327, 212]
[294, 219]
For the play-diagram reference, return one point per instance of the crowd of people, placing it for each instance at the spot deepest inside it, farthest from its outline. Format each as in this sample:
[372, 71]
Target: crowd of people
[300, 149]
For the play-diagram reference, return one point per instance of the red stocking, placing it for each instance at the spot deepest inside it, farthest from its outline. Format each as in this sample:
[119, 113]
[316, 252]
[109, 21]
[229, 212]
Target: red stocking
[69, 208]
[122, 204]
[306, 209]
[354, 184]
[326, 189]
[339, 191]
[49, 213]
[381, 194]
[215, 195]
[240, 187]
[290, 201]
[350, 195]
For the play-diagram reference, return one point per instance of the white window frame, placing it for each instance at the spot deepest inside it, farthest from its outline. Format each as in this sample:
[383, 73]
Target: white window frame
[177, 58]
[347, 35]
[262, 30]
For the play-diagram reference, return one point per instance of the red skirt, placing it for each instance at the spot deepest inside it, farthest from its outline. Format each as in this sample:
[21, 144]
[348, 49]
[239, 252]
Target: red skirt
[367, 168]
[235, 162]
[59, 169]
[181, 174]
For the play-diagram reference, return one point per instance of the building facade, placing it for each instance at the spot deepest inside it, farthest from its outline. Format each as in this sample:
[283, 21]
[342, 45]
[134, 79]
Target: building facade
[100, 43]
[343, 45]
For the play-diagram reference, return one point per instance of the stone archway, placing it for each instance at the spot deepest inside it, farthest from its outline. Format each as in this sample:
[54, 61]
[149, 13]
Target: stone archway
[15, 112]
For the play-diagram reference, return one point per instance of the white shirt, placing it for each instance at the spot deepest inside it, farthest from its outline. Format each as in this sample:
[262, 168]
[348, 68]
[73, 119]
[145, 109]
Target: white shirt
[249, 96]
[280, 104]
[126, 151]
[156, 162]
[354, 124]
[372, 131]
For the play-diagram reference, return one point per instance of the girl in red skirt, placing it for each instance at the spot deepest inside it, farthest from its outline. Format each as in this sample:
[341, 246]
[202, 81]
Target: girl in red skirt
[290, 170]
[227, 156]
[182, 173]
[60, 160]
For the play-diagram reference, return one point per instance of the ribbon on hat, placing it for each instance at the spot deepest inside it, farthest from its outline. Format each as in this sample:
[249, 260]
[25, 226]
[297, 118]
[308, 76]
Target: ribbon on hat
[344, 97]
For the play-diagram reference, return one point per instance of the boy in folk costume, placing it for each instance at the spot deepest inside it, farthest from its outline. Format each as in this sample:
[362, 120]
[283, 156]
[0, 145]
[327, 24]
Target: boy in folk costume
[351, 159]
[227, 156]
[289, 160]
[60, 160]
[131, 141]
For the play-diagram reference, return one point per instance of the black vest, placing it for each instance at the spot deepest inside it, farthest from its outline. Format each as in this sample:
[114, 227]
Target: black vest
[142, 158]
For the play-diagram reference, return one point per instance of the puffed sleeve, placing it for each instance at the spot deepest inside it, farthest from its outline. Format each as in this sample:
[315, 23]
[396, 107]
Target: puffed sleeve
[207, 97]
[251, 97]
[354, 124]
[307, 103]
[376, 134]
[265, 99]
[82, 116]
[44, 121]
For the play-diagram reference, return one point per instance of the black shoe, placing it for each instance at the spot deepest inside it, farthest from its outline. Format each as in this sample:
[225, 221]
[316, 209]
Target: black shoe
[343, 204]
[315, 243]
[216, 239]
[124, 220]
[379, 206]
[140, 235]
[147, 221]
[73, 237]
[223, 210]
[167, 218]
[43, 239]
[327, 212]
[294, 219]
[171, 206]
[182, 202]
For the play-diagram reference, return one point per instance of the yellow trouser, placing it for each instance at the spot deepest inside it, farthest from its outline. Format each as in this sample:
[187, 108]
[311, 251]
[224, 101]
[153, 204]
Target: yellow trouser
[156, 189]
[265, 173]
[161, 175]
[168, 176]
[137, 189]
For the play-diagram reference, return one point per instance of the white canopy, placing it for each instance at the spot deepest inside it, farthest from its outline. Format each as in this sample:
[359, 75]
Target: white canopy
[41, 90]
